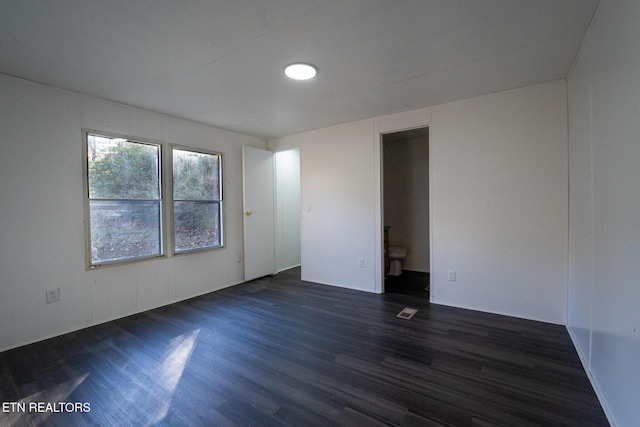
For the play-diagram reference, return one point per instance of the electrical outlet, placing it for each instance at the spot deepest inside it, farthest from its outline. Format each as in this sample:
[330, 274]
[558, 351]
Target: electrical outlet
[360, 262]
[53, 295]
[452, 275]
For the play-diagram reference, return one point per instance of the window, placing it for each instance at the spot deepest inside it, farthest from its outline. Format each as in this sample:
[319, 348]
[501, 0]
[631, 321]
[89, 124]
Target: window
[124, 204]
[124, 199]
[197, 200]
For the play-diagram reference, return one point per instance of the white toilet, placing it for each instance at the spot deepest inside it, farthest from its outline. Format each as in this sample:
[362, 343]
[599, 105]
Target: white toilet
[396, 255]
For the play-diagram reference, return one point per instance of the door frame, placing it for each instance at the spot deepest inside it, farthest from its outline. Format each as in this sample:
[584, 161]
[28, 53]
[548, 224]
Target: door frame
[392, 124]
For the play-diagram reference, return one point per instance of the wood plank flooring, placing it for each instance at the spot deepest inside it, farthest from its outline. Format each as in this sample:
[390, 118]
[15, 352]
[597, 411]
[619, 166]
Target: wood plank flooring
[281, 352]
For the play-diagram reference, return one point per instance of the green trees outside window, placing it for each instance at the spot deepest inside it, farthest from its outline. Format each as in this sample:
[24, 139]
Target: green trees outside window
[125, 212]
[125, 202]
[197, 200]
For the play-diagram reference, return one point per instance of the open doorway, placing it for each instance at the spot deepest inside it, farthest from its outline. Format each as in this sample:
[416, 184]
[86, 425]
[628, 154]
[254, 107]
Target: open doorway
[287, 206]
[405, 189]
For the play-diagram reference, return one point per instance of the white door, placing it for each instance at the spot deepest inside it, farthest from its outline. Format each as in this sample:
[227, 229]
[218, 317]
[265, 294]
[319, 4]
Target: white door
[258, 205]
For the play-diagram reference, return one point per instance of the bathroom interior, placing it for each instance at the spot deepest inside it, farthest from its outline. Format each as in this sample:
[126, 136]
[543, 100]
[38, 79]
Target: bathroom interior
[405, 159]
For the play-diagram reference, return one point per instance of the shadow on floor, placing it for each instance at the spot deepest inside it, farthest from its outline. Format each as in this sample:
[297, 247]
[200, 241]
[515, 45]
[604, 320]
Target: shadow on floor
[409, 282]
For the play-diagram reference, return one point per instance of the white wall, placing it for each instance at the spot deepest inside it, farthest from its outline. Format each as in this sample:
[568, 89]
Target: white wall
[604, 253]
[337, 187]
[406, 197]
[41, 215]
[341, 204]
[498, 188]
[287, 188]
[499, 202]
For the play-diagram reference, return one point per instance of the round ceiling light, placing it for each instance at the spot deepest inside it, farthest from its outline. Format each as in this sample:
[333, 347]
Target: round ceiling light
[300, 71]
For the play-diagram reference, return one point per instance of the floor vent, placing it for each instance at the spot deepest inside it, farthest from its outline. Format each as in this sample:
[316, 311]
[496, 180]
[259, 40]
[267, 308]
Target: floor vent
[407, 313]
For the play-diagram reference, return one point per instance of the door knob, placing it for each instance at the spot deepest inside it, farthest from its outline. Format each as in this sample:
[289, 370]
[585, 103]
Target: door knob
[249, 213]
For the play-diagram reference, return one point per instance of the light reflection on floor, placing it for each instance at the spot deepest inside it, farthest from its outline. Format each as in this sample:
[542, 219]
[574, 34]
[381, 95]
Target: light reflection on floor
[170, 371]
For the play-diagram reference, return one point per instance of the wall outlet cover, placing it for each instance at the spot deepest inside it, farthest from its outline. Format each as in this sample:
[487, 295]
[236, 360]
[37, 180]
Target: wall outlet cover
[53, 295]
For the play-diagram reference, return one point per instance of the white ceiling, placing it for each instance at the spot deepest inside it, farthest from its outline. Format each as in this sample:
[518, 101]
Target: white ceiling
[220, 62]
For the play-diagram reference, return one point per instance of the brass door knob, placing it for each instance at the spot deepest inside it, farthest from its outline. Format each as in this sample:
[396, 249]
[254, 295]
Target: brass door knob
[249, 213]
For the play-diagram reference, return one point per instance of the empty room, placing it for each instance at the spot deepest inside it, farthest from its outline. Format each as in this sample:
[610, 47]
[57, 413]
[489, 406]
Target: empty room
[319, 212]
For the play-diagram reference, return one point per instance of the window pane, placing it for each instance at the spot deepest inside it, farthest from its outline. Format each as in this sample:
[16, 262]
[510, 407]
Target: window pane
[120, 169]
[196, 176]
[196, 225]
[122, 230]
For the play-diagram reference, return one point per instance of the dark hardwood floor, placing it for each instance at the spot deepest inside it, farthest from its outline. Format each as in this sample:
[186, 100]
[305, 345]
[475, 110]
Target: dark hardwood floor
[279, 351]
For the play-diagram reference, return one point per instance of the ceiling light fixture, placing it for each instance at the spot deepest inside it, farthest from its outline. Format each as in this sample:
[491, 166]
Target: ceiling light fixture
[300, 71]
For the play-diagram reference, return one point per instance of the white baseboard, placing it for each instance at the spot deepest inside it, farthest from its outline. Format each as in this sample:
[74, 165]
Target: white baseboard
[592, 380]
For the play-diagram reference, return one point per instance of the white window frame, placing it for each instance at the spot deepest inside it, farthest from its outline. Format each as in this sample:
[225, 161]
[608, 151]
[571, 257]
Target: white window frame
[219, 201]
[90, 264]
